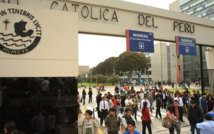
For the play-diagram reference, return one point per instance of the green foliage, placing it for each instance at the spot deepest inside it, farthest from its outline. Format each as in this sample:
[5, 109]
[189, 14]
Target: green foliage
[113, 79]
[106, 68]
[132, 61]
[101, 78]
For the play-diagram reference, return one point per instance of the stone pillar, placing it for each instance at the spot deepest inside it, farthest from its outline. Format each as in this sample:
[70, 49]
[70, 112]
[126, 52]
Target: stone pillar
[210, 66]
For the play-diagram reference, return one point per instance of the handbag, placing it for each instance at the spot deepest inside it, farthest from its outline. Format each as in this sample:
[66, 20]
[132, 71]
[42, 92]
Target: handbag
[166, 122]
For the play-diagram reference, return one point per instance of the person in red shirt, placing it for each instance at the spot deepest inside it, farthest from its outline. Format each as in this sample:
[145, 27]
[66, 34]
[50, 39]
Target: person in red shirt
[125, 88]
[114, 101]
[146, 119]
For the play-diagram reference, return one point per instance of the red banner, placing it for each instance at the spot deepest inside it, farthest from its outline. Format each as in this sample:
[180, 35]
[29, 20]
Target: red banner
[178, 73]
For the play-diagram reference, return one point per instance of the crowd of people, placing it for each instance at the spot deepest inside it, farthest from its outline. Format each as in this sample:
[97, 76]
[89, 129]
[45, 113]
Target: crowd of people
[119, 111]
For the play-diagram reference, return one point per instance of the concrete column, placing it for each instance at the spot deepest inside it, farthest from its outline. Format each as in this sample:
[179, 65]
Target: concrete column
[210, 66]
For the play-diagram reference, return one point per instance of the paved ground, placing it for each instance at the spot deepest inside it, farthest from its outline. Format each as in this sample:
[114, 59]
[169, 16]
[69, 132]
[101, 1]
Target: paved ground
[156, 123]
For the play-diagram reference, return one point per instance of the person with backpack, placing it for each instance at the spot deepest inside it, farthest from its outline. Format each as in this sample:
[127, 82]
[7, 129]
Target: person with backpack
[112, 122]
[146, 119]
[194, 116]
[172, 122]
[125, 119]
[88, 125]
[158, 106]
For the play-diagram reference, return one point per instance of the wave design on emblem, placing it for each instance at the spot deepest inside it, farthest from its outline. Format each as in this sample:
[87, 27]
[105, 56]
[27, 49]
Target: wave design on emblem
[14, 44]
[12, 35]
[15, 40]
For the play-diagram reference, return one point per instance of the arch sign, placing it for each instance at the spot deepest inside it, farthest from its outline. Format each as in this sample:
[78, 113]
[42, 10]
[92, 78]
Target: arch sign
[113, 17]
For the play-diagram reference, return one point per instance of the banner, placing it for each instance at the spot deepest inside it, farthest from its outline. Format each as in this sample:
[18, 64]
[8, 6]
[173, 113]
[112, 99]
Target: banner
[139, 41]
[185, 46]
[178, 73]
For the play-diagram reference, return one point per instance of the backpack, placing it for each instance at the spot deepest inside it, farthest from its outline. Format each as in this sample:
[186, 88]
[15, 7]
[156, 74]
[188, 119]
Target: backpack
[166, 122]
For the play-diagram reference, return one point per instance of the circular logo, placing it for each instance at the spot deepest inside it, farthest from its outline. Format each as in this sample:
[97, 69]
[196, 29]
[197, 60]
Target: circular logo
[187, 49]
[141, 45]
[20, 31]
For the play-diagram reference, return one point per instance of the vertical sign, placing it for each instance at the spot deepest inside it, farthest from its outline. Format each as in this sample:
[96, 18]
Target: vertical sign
[139, 41]
[185, 46]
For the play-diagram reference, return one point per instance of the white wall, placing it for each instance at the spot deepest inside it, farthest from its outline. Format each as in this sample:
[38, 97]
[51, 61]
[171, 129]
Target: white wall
[55, 55]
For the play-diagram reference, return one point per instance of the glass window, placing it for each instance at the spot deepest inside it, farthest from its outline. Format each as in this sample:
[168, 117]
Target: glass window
[39, 105]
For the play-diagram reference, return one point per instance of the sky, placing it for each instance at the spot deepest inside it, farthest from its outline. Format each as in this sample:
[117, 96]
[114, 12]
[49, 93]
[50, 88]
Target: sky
[94, 49]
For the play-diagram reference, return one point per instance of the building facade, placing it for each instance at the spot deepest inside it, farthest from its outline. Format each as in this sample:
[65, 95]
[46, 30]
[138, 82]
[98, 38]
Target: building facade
[191, 64]
[199, 8]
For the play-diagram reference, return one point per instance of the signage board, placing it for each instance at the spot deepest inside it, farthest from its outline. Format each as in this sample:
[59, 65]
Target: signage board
[139, 41]
[185, 46]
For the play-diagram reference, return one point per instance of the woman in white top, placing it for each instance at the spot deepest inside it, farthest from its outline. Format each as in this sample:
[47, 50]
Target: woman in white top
[179, 99]
[129, 103]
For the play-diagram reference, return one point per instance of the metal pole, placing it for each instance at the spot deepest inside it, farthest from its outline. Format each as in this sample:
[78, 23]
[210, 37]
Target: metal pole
[201, 68]
[91, 79]
[161, 65]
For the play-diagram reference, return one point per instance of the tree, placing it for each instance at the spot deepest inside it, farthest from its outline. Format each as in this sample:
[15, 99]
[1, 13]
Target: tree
[101, 78]
[131, 61]
[113, 79]
[106, 68]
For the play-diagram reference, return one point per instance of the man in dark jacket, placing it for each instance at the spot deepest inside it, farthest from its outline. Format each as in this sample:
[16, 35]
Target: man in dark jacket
[178, 112]
[194, 116]
[158, 105]
[112, 122]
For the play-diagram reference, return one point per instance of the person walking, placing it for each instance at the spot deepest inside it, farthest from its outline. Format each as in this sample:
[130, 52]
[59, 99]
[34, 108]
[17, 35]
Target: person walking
[146, 119]
[83, 96]
[112, 122]
[206, 127]
[114, 101]
[164, 99]
[194, 116]
[135, 106]
[170, 115]
[90, 95]
[129, 103]
[131, 128]
[145, 100]
[125, 119]
[203, 103]
[210, 102]
[181, 104]
[158, 106]
[104, 109]
[170, 99]
[151, 98]
[98, 100]
[178, 112]
[88, 125]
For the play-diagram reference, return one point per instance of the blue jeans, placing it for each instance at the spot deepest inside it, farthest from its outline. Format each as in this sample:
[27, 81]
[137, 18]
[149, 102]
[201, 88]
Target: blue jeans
[193, 127]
